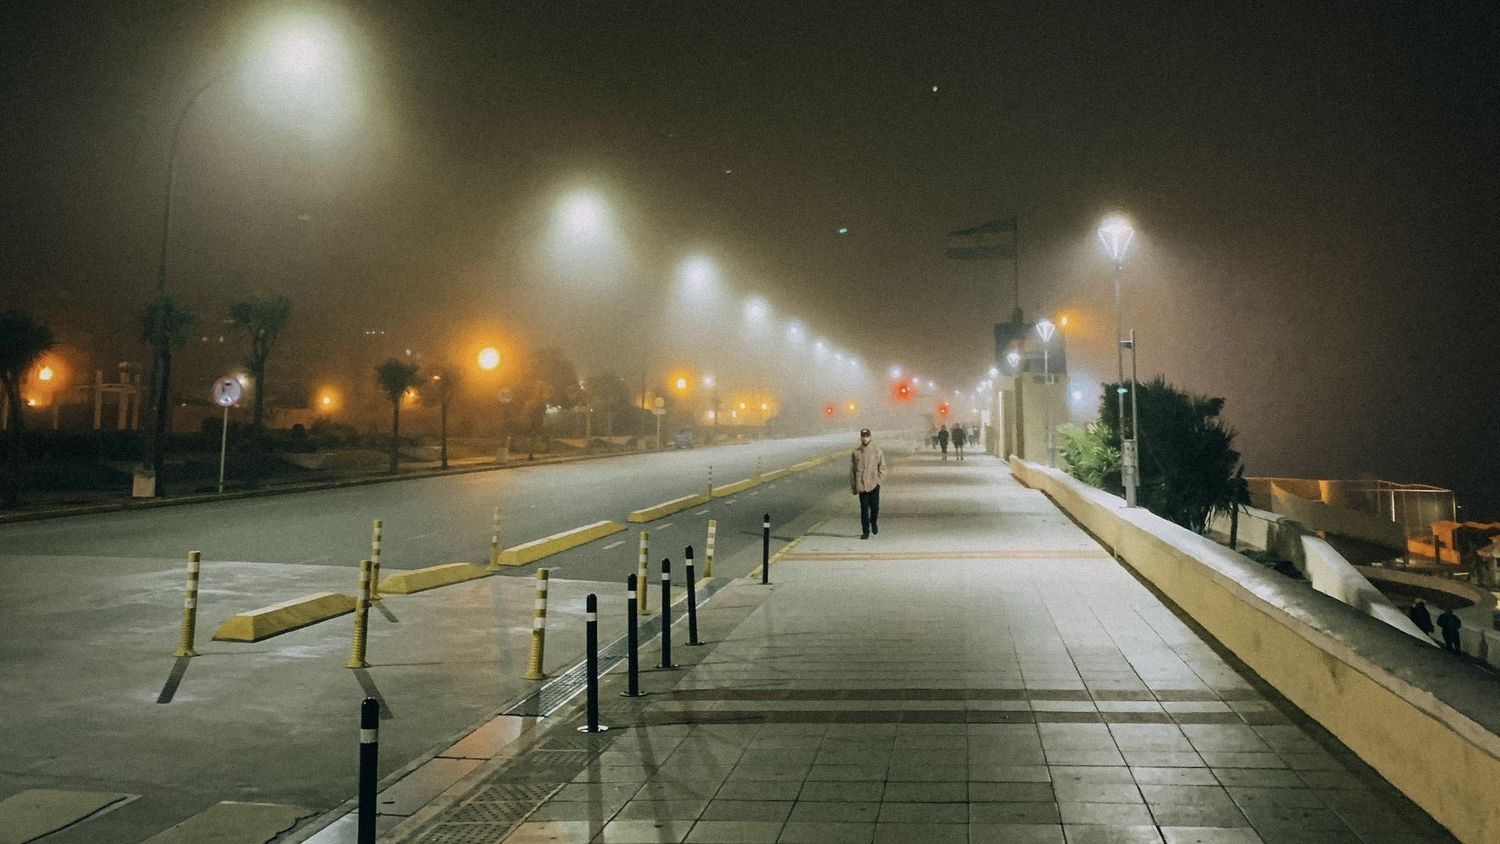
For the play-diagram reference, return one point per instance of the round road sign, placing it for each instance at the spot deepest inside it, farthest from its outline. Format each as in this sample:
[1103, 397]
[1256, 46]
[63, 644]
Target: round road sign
[227, 391]
[505, 396]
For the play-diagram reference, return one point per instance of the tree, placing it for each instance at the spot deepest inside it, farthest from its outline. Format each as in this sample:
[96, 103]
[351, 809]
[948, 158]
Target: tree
[395, 379]
[444, 383]
[551, 382]
[1189, 470]
[262, 320]
[1092, 455]
[165, 325]
[23, 341]
[607, 393]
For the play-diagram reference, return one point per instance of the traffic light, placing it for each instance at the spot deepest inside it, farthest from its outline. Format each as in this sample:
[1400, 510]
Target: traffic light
[901, 391]
[828, 411]
[943, 410]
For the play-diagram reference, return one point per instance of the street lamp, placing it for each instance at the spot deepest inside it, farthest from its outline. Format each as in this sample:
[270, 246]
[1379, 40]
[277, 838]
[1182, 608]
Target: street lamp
[489, 358]
[1045, 329]
[1116, 233]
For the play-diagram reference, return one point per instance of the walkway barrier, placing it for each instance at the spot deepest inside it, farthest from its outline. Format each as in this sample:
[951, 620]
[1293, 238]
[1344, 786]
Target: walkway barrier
[666, 508]
[431, 577]
[375, 562]
[530, 552]
[190, 608]
[361, 617]
[276, 619]
[708, 552]
[369, 769]
[692, 597]
[1422, 720]
[495, 541]
[632, 641]
[538, 629]
[643, 568]
[765, 549]
[666, 615]
[591, 658]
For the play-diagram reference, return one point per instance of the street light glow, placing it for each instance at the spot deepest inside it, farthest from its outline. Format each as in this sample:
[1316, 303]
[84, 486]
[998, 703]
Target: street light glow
[1116, 233]
[46, 374]
[1014, 359]
[795, 332]
[489, 358]
[697, 275]
[756, 310]
[1045, 328]
[895, 372]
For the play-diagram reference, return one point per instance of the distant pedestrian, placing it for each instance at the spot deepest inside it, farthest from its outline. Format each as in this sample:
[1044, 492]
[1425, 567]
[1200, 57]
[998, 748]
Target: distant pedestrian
[866, 473]
[959, 438]
[1421, 617]
[1450, 625]
[943, 440]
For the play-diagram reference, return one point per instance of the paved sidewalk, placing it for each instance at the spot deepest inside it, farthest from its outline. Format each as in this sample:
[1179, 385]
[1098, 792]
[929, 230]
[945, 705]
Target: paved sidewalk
[981, 670]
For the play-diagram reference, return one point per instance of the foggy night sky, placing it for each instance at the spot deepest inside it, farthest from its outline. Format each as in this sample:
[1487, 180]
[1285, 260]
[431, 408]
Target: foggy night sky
[1313, 187]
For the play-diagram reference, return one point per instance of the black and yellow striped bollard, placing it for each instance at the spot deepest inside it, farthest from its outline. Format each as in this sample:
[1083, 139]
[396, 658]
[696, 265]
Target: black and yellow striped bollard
[190, 608]
[361, 617]
[538, 629]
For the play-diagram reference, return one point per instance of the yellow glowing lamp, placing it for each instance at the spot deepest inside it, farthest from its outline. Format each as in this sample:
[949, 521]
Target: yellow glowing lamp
[489, 357]
[46, 374]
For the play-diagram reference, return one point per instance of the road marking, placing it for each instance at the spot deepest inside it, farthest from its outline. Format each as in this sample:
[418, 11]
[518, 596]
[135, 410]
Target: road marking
[424, 535]
[664, 526]
[311, 560]
[615, 544]
[752, 492]
[700, 512]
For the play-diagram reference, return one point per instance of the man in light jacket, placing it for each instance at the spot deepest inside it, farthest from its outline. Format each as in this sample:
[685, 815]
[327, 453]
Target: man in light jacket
[866, 472]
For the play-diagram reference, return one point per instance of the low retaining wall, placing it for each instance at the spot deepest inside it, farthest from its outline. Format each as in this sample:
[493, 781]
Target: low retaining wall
[1426, 722]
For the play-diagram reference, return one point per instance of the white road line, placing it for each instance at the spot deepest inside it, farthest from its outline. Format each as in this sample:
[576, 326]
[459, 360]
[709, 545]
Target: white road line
[664, 526]
[752, 492]
[423, 535]
[700, 512]
[614, 545]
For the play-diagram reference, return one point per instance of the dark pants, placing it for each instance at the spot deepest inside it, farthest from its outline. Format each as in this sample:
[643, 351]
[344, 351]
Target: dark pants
[1451, 642]
[869, 510]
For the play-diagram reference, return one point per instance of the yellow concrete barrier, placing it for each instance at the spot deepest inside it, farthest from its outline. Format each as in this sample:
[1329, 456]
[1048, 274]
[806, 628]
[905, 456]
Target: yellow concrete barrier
[530, 552]
[420, 580]
[666, 508]
[255, 625]
[735, 488]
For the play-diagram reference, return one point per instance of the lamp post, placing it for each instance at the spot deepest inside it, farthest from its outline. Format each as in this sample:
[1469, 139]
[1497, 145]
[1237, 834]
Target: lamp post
[1116, 233]
[1045, 329]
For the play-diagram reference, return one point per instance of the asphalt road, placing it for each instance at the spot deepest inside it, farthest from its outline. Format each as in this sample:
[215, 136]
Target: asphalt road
[91, 606]
[437, 520]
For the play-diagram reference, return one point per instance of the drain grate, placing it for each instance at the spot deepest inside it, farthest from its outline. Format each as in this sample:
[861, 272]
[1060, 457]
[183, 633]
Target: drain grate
[469, 833]
[490, 813]
[573, 759]
[510, 792]
[551, 697]
[596, 742]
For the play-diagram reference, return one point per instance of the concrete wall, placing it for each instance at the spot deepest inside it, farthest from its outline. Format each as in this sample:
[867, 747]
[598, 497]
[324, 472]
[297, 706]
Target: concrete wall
[1316, 515]
[1425, 722]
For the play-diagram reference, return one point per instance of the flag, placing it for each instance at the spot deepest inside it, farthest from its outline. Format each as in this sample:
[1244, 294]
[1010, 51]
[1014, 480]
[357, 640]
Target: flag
[995, 239]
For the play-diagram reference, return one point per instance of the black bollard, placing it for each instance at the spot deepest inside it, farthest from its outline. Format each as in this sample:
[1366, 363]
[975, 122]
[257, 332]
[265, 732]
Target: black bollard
[369, 776]
[765, 549]
[633, 640]
[591, 655]
[666, 615]
[692, 588]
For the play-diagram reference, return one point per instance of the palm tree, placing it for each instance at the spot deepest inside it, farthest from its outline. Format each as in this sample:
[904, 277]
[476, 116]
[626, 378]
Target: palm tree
[395, 379]
[262, 320]
[443, 386]
[23, 341]
[165, 325]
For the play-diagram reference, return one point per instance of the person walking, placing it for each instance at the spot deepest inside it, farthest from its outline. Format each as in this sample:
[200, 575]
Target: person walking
[959, 438]
[1450, 625]
[866, 473]
[1421, 617]
[943, 440]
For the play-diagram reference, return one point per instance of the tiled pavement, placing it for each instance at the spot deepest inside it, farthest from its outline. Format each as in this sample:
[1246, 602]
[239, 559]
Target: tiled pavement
[980, 671]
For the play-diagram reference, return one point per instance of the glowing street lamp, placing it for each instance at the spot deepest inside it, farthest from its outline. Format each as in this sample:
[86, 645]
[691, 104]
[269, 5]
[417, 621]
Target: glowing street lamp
[489, 358]
[45, 374]
[1116, 234]
[1045, 329]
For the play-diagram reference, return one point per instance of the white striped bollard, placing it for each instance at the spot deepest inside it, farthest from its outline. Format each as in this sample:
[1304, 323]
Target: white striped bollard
[591, 656]
[361, 618]
[375, 531]
[708, 553]
[369, 768]
[666, 615]
[538, 628]
[495, 541]
[692, 596]
[643, 570]
[190, 608]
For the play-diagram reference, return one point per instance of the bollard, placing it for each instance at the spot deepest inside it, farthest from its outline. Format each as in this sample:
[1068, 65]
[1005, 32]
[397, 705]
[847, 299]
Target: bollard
[361, 617]
[765, 549]
[495, 541]
[757, 467]
[643, 568]
[190, 608]
[666, 615]
[538, 628]
[591, 654]
[710, 480]
[369, 759]
[708, 552]
[692, 589]
[375, 562]
[632, 641]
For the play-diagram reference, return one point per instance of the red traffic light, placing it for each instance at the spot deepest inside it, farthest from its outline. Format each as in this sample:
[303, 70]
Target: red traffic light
[902, 391]
[943, 409]
[828, 411]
